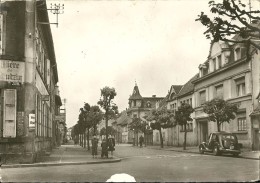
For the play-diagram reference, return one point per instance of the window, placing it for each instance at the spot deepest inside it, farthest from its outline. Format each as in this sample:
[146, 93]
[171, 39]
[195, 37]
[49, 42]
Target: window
[214, 64]
[240, 86]
[237, 53]
[202, 97]
[9, 113]
[219, 91]
[241, 124]
[2, 34]
[219, 61]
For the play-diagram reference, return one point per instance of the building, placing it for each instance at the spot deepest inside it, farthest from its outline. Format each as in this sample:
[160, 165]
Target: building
[27, 83]
[229, 73]
[139, 107]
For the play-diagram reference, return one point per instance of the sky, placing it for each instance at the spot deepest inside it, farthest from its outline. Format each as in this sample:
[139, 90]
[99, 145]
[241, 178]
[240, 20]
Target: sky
[98, 43]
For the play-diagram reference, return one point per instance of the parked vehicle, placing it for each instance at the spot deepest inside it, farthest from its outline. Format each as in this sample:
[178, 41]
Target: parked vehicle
[221, 142]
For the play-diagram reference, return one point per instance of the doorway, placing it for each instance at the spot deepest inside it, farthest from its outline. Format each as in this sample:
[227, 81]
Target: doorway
[256, 139]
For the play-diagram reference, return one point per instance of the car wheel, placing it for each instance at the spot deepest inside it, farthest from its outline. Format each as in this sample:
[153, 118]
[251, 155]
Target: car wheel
[201, 149]
[215, 150]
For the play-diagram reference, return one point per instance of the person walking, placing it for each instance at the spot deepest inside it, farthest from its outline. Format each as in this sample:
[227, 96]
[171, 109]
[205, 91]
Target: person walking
[104, 148]
[111, 144]
[141, 140]
[94, 143]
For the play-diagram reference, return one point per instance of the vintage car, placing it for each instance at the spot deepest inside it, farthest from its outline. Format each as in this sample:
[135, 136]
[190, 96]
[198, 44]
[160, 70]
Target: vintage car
[221, 142]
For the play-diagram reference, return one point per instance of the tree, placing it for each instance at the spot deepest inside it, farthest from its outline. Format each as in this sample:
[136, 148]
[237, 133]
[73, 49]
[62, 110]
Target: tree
[95, 116]
[232, 18]
[182, 116]
[85, 123]
[220, 111]
[106, 102]
[110, 130]
[136, 126]
[161, 118]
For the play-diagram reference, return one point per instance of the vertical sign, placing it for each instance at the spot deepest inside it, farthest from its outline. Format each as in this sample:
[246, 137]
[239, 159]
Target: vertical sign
[9, 127]
[31, 120]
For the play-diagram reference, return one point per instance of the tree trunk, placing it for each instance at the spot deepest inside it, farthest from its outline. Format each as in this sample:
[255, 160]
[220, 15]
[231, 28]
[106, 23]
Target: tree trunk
[218, 125]
[80, 140]
[185, 136]
[161, 138]
[137, 140]
[88, 139]
[106, 127]
[84, 139]
[145, 139]
[95, 129]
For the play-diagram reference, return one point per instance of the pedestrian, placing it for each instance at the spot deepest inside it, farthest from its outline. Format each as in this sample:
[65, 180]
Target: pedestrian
[111, 144]
[94, 143]
[104, 148]
[141, 140]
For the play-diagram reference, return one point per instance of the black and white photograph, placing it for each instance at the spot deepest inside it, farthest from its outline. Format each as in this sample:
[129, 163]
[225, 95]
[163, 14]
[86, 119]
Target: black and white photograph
[129, 90]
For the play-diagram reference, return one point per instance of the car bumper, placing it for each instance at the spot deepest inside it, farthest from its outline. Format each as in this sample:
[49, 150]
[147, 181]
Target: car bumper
[230, 151]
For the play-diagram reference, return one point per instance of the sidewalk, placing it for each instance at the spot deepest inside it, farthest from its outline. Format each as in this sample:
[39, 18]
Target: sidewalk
[246, 153]
[67, 155]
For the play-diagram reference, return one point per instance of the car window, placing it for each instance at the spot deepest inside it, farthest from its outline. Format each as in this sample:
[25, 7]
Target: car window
[228, 137]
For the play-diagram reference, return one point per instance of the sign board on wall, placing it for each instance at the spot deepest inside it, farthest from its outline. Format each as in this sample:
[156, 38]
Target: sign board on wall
[31, 120]
[12, 71]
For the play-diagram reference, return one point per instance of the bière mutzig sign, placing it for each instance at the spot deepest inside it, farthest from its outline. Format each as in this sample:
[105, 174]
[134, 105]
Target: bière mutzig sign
[11, 71]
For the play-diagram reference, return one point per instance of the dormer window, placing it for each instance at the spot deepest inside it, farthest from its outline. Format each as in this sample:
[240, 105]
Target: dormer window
[219, 61]
[237, 53]
[214, 64]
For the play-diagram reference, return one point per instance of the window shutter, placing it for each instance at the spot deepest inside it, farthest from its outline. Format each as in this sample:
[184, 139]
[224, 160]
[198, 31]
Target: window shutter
[9, 126]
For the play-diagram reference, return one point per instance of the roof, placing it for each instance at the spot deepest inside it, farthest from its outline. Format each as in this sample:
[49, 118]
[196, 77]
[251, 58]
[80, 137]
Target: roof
[188, 87]
[136, 94]
[177, 88]
[123, 119]
[163, 103]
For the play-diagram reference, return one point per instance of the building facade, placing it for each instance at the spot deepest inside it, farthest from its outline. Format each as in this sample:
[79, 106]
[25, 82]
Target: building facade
[230, 74]
[28, 78]
[139, 107]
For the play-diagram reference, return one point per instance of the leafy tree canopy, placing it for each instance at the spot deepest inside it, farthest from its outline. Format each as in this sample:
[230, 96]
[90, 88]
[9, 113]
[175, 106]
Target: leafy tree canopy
[232, 17]
[161, 118]
[110, 130]
[220, 111]
[183, 113]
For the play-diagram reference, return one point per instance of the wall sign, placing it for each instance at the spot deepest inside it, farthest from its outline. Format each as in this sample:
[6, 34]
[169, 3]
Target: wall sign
[31, 120]
[12, 71]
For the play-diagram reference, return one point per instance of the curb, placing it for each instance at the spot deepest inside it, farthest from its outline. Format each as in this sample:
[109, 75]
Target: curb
[242, 157]
[60, 164]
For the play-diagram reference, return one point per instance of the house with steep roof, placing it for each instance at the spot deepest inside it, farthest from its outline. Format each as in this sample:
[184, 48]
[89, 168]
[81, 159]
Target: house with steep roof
[139, 107]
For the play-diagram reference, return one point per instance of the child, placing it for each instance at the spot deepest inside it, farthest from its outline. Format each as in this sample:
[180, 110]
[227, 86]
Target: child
[104, 147]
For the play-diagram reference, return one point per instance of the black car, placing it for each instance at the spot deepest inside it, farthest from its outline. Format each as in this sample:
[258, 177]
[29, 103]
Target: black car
[221, 142]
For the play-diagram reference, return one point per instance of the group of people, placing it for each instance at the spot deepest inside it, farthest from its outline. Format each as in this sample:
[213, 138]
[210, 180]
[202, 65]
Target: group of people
[106, 146]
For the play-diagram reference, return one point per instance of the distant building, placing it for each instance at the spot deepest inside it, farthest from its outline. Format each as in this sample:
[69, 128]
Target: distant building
[139, 107]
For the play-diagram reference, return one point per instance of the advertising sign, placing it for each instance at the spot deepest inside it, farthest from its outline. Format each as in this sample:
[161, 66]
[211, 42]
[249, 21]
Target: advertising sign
[12, 71]
[31, 120]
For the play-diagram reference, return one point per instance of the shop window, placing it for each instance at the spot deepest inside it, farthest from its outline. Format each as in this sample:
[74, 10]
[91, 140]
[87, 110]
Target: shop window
[242, 124]
[9, 116]
[240, 86]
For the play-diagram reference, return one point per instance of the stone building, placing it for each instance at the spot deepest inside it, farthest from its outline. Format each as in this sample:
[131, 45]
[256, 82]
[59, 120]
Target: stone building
[229, 73]
[138, 108]
[27, 83]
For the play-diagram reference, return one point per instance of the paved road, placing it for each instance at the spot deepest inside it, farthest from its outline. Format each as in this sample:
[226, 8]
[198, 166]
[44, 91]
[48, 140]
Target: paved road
[146, 165]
